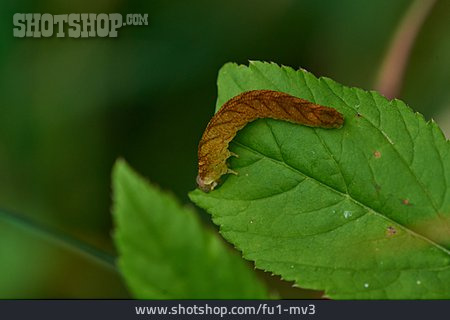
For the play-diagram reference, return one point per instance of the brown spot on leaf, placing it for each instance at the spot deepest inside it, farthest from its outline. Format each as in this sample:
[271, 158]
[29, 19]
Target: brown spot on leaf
[377, 154]
[406, 202]
[391, 231]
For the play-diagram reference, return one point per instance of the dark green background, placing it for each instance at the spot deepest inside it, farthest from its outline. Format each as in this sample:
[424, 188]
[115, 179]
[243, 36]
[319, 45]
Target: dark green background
[70, 107]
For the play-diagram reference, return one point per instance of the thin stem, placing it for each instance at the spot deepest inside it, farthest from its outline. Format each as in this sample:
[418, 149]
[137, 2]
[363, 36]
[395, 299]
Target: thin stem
[390, 77]
[60, 238]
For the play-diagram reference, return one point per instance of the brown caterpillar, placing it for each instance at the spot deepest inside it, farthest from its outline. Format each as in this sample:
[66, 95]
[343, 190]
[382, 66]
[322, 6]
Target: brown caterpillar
[244, 108]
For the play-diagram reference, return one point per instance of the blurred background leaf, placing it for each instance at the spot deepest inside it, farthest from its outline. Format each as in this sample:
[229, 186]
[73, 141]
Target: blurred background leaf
[70, 107]
[166, 253]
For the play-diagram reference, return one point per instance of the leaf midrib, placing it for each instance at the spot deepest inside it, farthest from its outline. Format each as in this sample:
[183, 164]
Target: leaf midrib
[346, 195]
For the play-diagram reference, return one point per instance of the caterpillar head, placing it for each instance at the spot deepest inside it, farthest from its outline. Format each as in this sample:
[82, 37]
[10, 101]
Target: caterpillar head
[205, 184]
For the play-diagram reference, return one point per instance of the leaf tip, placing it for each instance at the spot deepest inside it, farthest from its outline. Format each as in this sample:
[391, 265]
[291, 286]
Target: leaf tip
[119, 168]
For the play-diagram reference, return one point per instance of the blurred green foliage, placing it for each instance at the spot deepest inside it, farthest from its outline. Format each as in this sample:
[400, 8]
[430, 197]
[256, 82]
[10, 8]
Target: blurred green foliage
[70, 107]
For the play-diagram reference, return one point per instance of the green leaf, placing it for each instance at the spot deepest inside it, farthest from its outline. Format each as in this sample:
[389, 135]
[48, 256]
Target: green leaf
[362, 212]
[164, 251]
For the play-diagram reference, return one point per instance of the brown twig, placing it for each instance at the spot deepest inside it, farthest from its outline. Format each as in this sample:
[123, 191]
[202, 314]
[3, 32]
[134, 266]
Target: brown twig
[390, 77]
